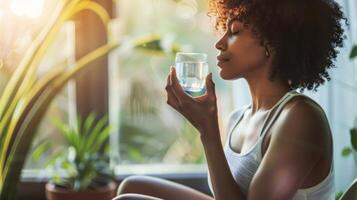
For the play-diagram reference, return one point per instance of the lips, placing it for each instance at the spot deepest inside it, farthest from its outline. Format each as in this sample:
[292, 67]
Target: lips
[221, 59]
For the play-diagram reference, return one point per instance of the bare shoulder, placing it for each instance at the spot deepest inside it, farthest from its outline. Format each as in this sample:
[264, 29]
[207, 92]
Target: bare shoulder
[299, 140]
[304, 121]
[304, 107]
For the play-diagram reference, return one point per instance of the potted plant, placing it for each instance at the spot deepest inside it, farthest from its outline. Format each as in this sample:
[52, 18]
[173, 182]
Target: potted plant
[80, 166]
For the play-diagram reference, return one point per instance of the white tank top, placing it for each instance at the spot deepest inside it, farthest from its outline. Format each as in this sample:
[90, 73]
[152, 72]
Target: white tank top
[243, 166]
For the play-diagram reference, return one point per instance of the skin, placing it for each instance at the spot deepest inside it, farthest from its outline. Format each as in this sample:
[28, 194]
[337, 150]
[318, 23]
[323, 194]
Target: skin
[297, 149]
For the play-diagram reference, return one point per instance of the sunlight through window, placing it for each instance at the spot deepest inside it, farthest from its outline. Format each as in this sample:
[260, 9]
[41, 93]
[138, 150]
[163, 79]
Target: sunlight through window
[1, 15]
[28, 8]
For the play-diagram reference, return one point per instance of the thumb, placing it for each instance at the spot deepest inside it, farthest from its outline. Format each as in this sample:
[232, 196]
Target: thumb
[210, 85]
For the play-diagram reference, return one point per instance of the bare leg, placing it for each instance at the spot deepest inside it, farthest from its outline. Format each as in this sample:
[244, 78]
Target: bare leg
[135, 197]
[159, 188]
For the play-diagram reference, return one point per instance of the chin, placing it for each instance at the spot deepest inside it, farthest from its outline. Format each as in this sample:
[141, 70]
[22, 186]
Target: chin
[229, 76]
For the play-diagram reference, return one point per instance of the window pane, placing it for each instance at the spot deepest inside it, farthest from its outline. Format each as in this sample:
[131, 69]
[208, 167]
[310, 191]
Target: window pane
[148, 131]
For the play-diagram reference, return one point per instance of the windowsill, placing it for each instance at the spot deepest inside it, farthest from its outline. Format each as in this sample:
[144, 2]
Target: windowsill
[160, 170]
[194, 176]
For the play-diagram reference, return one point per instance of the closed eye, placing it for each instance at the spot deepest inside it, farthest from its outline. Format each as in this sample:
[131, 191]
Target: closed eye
[235, 32]
[234, 29]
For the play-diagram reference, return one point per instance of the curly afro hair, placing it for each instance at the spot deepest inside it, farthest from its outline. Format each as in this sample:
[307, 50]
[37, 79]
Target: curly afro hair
[304, 34]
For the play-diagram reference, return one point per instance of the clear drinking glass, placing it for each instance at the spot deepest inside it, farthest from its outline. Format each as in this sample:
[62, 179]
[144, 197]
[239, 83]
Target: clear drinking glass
[191, 70]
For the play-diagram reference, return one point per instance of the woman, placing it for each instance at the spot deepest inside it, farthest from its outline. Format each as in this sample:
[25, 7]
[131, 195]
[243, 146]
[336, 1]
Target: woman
[279, 146]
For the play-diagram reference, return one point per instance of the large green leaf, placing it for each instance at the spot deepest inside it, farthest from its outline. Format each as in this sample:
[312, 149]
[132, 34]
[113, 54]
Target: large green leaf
[15, 80]
[21, 111]
[23, 76]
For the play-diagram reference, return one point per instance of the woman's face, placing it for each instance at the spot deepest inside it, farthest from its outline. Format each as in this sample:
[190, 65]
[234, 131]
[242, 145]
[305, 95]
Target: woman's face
[240, 51]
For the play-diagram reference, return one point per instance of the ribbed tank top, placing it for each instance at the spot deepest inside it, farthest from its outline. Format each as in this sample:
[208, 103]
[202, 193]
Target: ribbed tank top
[244, 166]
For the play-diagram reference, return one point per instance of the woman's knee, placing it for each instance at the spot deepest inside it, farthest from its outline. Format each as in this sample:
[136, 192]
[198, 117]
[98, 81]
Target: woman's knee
[131, 184]
[134, 197]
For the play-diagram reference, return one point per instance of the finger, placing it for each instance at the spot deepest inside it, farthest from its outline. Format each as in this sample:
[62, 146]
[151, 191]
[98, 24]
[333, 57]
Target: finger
[173, 102]
[168, 84]
[176, 87]
[210, 86]
[171, 98]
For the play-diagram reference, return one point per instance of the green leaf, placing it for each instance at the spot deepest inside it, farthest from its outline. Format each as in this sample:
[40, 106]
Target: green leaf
[78, 125]
[13, 120]
[88, 124]
[52, 159]
[135, 154]
[41, 149]
[346, 151]
[353, 52]
[63, 129]
[353, 133]
[95, 133]
[100, 142]
[338, 195]
[56, 178]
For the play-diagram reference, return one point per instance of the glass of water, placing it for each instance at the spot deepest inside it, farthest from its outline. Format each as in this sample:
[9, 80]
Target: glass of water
[191, 70]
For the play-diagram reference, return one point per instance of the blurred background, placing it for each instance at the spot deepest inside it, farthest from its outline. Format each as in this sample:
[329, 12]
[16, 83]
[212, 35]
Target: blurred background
[148, 136]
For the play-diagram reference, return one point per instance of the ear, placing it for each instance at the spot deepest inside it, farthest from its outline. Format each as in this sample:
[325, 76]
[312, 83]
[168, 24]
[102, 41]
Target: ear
[269, 50]
[268, 45]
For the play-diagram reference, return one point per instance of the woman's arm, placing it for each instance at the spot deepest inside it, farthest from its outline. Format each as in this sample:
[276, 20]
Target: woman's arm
[301, 138]
[202, 114]
[223, 184]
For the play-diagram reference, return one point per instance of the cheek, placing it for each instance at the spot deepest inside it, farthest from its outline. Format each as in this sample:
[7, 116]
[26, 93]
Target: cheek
[247, 53]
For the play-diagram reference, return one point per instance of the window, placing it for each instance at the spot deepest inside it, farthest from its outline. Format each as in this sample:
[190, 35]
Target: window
[150, 136]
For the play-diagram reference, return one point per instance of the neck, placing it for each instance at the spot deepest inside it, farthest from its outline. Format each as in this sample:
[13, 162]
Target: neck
[265, 93]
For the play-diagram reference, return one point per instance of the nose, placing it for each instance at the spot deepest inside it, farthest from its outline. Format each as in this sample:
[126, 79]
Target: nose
[221, 44]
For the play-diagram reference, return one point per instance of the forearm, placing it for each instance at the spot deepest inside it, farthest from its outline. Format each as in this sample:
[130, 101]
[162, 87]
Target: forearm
[224, 186]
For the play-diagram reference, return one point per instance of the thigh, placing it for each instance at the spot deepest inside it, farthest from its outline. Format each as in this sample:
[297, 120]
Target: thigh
[160, 188]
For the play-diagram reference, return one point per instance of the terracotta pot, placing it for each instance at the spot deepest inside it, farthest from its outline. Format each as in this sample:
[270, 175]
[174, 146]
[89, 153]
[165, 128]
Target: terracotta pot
[104, 193]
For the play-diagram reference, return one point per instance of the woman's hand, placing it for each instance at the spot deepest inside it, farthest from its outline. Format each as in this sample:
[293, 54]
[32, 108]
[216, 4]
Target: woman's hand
[200, 111]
